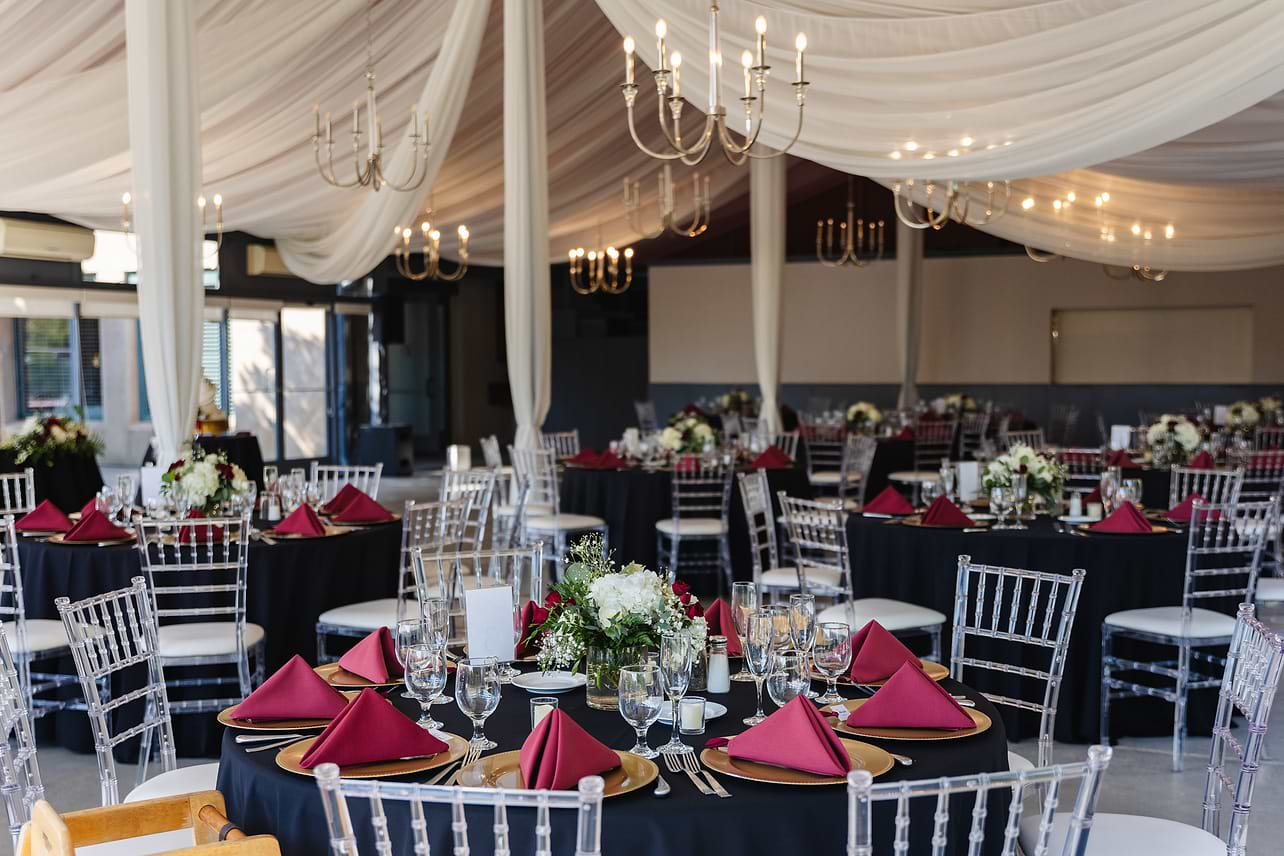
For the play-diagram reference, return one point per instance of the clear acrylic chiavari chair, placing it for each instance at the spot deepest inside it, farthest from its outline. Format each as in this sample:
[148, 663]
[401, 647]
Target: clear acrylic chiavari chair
[1215, 487]
[647, 420]
[20, 784]
[18, 492]
[478, 486]
[1022, 619]
[769, 574]
[786, 442]
[1062, 423]
[563, 444]
[1223, 557]
[701, 508]
[412, 828]
[455, 574]
[858, 460]
[1044, 834]
[826, 448]
[540, 516]
[332, 478]
[1032, 438]
[972, 430]
[933, 442]
[1268, 438]
[504, 497]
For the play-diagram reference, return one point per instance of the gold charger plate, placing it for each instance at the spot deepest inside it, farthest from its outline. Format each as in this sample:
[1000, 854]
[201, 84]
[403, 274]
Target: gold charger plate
[916, 520]
[225, 718]
[288, 759]
[982, 721]
[337, 676]
[395, 518]
[97, 542]
[1155, 529]
[931, 668]
[864, 756]
[503, 770]
[330, 532]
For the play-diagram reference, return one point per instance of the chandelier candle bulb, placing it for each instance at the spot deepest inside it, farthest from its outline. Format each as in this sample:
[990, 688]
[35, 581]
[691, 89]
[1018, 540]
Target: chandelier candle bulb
[760, 25]
[660, 30]
[677, 80]
[801, 44]
[628, 60]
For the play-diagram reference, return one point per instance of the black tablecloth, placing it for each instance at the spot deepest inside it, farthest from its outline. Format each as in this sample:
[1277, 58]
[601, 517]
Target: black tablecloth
[1123, 572]
[241, 449]
[759, 819]
[892, 456]
[71, 482]
[631, 501]
[289, 584]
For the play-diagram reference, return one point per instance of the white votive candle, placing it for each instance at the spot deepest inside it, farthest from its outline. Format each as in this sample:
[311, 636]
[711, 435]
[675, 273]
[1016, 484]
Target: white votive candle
[541, 707]
[691, 715]
[1094, 510]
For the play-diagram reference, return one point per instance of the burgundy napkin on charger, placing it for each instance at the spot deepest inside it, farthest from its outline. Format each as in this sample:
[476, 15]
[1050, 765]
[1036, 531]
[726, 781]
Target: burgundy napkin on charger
[796, 737]
[201, 534]
[340, 500]
[45, 517]
[889, 501]
[558, 753]
[910, 699]
[720, 621]
[583, 458]
[1093, 495]
[532, 614]
[92, 505]
[608, 460]
[1125, 518]
[362, 509]
[294, 692]
[1120, 458]
[772, 458]
[877, 654]
[944, 513]
[302, 521]
[374, 658]
[906, 433]
[1202, 461]
[370, 730]
[95, 527]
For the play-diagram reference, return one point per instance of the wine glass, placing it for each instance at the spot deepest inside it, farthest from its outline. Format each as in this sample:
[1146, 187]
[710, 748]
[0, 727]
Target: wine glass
[802, 627]
[425, 679]
[641, 697]
[1001, 505]
[1020, 492]
[929, 490]
[410, 631]
[780, 623]
[436, 612]
[477, 690]
[1110, 480]
[675, 672]
[744, 600]
[269, 477]
[1130, 491]
[126, 487]
[312, 494]
[832, 653]
[788, 679]
[758, 643]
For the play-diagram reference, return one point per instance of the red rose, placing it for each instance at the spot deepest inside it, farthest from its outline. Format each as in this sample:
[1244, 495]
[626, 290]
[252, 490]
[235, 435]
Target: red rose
[570, 601]
[680, 588]
[538, 616]
[224, 470]
[176, 465]
[695, 610]
[685, 599]
[552, 599]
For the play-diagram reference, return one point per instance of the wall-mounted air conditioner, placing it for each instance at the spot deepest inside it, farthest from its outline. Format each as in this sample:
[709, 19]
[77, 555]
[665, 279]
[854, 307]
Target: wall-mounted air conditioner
[50, 242]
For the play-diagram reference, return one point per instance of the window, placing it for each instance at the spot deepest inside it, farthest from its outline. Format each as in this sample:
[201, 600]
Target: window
[215, 360]
[46, 380]
[115, 260]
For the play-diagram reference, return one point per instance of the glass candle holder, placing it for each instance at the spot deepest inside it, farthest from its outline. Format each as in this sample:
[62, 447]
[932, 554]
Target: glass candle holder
[691, 715]
[541, 706]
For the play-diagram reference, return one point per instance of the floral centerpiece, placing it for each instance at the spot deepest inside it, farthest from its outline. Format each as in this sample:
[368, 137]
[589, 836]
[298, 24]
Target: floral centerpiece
[1271, 407]
[1172, 440]
[203, 481]
[46, 439]
[863, 418]
[1242, 417]
[687, 432]
[604, 618]
[1044, 477]
[954, 404]
[736, 401]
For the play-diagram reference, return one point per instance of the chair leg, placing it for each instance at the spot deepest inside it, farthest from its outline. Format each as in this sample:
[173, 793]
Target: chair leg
[1179, 710]
[934, 634]
[321, 660]
[724, 555]
[1106, 655]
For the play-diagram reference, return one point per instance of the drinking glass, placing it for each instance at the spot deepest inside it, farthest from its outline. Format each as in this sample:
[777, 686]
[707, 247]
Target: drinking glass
[298, 476]
[948, 479]
[1001, 505]
[1110, 480]
[1130, 491]
[126, 487]
[541, 706]
[269, 477]
[802, 627]
[788, 679]
[758, 642]
[477, 690]
[1020, 492]
[312, 494]
[410, 631]
[928, 491]
[780, 622]
[436, 612]
[425, 679]
[832, 653]
[744, 600]
[641, 697]
[675, 673]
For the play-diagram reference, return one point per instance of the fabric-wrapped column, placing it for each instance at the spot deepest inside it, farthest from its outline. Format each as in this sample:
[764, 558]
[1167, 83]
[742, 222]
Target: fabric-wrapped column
[767, 250]
[909, 309]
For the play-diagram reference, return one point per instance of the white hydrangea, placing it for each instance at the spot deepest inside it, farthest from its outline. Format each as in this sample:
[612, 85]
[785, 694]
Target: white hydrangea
[632, 592]
[671, 439]
[703, 432]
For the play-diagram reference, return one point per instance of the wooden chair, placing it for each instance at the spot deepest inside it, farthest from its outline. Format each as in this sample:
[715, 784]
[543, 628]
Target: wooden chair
[52, 834]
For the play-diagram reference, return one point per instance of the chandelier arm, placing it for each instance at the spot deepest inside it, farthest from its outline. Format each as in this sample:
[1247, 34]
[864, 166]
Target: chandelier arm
[695, 227]
[775, 153]
[414, 180]
[910, 219]
[332, 177]
[1040, 256]
[694, 154]
[633, 132]
[457, 274]
[674, 137]
[403, 267]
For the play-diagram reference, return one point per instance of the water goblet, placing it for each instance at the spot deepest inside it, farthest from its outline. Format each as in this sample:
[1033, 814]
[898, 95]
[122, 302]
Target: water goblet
[832, 653]
[929, 490]
[780, 622]
[477, 690]
[641, 697]
[410, 631]
[126, 487]
[1130, 491]
[788, 679]
[425, 679]
[675, 674]
[269, 477]
[744, 600]
[1020, 493]
[802, 627]
[312, 494]
[758, 644]
[1001, 505]
[436, 612]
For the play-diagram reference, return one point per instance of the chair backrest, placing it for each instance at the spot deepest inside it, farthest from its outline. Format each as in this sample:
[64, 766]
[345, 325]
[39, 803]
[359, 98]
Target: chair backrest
[432, 527]
[1217, 487]
[973, 426]
[1082, 464]
[564, 444]
[819, 404]
[478, 487]
[20, 785]
[933, 442]
[110, 633]
[1224, 552]
[817, 539]
[332, 478]
[858, 460]
[17, 492]
[1137, 435]
[826, 445]
[1268, 438]
[1252, 675]
[700, 488]
[731, 426]
[1030, 615]
[1263, 473]
[1032, 438]
[647, 420]
[537, 479]
[13, 603]
[760, 521]
[454, 574]
[786, 442]
[586, 801]
[1062, 423]
[862, 794]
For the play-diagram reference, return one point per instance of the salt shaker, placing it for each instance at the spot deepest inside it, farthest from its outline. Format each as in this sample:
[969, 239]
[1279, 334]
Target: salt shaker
[719, 670]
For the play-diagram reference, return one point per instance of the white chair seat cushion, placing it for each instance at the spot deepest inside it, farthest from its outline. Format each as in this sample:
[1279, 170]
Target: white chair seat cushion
[1166, 620]
[788, 577]
[1017, 763]
[1270, 589]
[831, 477]
[205, 638]
[1114, 834]
[43, 634]
[892, 614]
[368, 614]
[692, 526]
[563, 522]
[538, 509]
[184, 780]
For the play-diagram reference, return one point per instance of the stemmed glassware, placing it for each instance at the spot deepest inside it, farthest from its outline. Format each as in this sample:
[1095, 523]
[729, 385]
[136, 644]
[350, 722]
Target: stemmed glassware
[832, 653]
[788, 679]
[425, 679]
[410, 631]
[477, 690]
[1020, 493]
[435, 611]
[126, 488]
[1130, 491]
[1001, 504]
[269, 477]
[802, 628]
[675, 673]
[641, 697]
[1110, 480]
[759, 646]
[744, 600]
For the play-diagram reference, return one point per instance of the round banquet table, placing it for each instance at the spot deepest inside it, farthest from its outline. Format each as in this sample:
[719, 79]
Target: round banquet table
[241, 449]
[289, 584]
[759, 820]
[920, 565]
[632, 500]
[71, 482]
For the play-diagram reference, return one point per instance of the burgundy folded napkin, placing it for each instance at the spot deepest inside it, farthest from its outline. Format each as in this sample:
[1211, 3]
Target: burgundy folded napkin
[905, 433]
[370, 730]
[687, 463]
[720, 621]
[532, 615]
[45, 517]
[294, 692]
[200, 534]
[608, 460]
[362, 509]
[796, 737]
[944, 513]
[302, 521]
[583, 458]
[910, 699]
[772, 458]
[1125, 518]
[877, 654]
[1202, 461]
[1093, 495]
[1180, 513]
[340, 500]
[1120, 458]
[95, 527]
[889, 501]
[92, 505]
[558, 753]
[374, 658]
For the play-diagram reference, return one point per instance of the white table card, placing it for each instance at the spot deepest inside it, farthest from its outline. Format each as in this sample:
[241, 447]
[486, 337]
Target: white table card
[1119, 436]
[969, 484]
[489, 613]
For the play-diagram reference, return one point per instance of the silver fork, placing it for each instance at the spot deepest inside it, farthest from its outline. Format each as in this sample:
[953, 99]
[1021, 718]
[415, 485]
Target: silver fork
[692, 765]
[279, 744]
[262, 738]
[675, 766]
[473, 753]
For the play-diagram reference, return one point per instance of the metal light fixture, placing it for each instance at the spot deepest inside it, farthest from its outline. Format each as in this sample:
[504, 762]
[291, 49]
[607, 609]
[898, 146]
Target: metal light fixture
[431, 253]
[665, 201]
[991, 200]
[127, 217]
[600, 270]
[860, 242]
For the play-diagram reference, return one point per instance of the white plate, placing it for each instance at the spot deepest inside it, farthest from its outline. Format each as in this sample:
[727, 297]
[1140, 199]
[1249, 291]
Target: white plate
[550, 682]
[1077, 518]
[712, 710]
[983, 516]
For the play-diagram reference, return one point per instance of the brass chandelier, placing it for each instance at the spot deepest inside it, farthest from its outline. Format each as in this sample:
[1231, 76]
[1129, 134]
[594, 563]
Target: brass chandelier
[665, 201]
[204, 206]
[961, 202]
[430, 250]
[600, 270]
[860, 241]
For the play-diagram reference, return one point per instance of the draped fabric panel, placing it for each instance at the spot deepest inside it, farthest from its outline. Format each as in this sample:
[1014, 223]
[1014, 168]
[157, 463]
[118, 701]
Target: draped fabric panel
[767, 270]
[164, 130]
[909, 309]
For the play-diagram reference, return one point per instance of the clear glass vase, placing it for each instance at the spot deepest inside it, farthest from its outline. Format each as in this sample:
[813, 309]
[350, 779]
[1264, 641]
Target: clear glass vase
[602, 668]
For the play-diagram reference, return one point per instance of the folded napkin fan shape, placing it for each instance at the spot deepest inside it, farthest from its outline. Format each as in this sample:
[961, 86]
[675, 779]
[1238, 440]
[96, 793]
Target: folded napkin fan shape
[944, 513]
[301, 521]
[719, 620]
[1202, 461]
[340, 500]
[85, 509]
[45, 517]
[558, 753]
[772, 458]
[362, 509]
[1182, 511]
[1120, 458]
[910, 699]
[95, 527]
[370, 730]
[1125, 518]
[374, 658]
[796, 737]
[889, 501]
[295, 691]
[877, 654]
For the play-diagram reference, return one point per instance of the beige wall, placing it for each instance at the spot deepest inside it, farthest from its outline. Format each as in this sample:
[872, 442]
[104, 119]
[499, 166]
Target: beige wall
[985, 319]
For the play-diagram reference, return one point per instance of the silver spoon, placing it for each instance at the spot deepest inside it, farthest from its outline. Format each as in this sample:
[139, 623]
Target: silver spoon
[661, 787]
[262, 738]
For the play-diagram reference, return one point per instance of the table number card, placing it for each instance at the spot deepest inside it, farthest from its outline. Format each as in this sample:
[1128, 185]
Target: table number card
[489, 613]
[969, 485]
